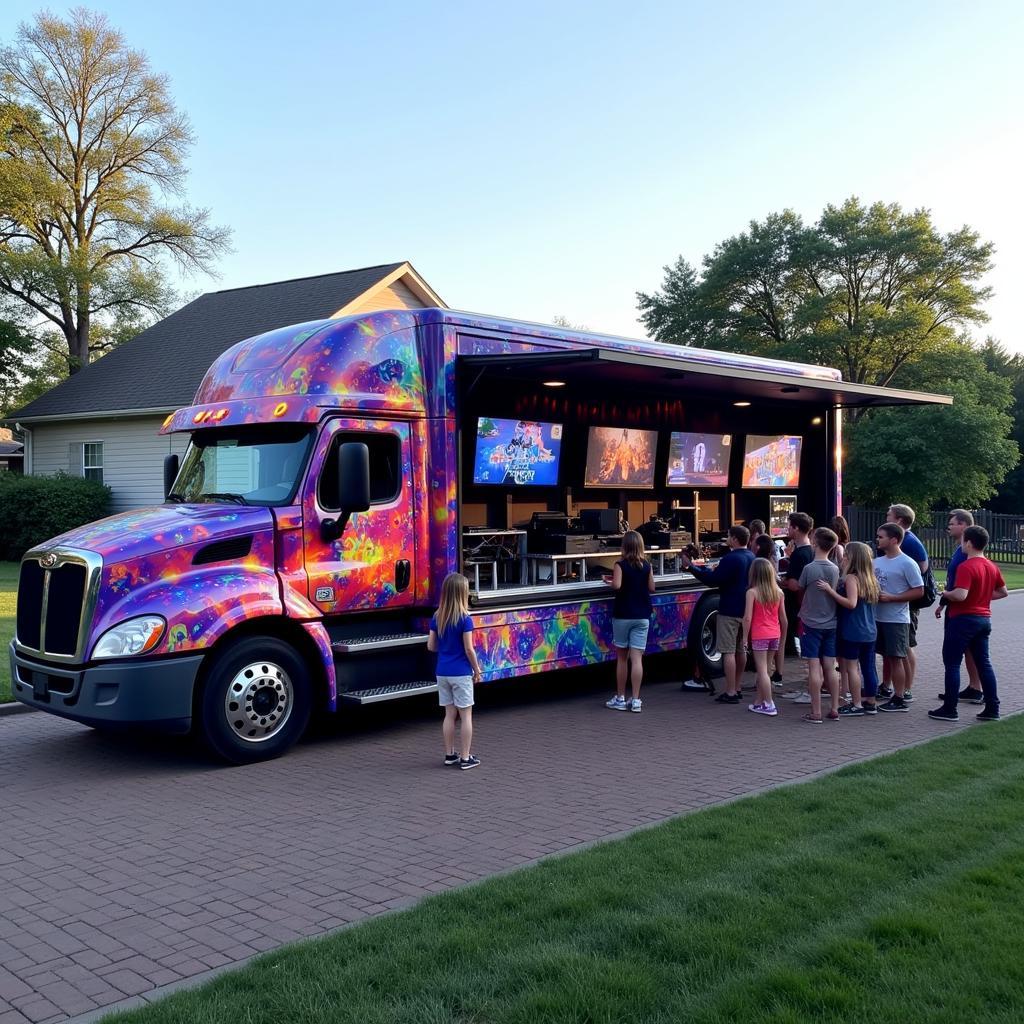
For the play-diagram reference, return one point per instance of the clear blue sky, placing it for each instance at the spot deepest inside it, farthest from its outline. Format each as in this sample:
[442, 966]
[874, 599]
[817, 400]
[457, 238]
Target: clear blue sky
[534, 159]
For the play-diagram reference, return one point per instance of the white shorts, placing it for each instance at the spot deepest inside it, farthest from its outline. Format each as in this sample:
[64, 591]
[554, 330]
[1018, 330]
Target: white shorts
[457, 690]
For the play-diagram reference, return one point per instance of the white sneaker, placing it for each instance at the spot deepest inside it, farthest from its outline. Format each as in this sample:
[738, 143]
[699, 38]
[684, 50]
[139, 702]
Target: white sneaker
[802, 698]
[793, 694]
[636, 704]
[617, 703]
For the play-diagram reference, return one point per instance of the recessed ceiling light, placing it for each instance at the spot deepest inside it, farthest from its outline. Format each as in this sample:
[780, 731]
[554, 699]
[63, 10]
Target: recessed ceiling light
[554, 383]
[741, 405]
[816, 421]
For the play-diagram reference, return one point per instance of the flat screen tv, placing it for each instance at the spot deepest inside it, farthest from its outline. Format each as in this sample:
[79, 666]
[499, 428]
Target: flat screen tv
[517, 453]
[620, 457]
[698, 460]
[772, 461]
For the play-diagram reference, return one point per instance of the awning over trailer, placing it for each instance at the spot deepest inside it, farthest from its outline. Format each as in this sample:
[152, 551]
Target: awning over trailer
[682, 376]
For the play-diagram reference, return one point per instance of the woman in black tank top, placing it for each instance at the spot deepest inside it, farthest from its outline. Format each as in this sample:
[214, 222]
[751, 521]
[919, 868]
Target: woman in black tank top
[633, 583]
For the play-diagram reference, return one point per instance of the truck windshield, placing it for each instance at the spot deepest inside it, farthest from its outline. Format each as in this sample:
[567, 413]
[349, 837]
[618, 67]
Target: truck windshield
[257, 466]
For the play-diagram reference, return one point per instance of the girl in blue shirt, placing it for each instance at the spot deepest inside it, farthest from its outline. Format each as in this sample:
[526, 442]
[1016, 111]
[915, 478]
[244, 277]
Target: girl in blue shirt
[451, 637]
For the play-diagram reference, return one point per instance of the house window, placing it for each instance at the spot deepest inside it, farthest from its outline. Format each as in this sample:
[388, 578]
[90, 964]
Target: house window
[92, 460]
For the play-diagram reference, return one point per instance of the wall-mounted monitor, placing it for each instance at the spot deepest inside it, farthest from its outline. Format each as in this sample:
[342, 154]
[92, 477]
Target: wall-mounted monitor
[620, 457]
[698, 460]
[772, 461]
[517, 453]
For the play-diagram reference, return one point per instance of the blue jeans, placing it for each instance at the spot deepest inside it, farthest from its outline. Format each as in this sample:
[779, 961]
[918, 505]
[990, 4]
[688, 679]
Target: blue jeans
[864, 653]
[968, 633]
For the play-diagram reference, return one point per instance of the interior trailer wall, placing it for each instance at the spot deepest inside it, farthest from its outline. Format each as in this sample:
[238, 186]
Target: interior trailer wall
[508, 506]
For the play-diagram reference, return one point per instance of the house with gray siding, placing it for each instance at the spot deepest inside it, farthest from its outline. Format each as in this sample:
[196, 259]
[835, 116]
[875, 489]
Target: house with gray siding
[102, 422]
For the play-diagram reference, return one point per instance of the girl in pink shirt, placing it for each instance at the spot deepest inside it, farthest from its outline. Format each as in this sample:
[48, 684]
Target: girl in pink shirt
[764, 624]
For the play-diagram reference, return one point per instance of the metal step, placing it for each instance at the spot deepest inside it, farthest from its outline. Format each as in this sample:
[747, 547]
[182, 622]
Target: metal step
[392, 692]
[356, 645]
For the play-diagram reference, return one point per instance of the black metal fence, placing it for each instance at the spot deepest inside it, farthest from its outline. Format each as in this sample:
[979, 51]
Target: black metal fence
[1006, 532]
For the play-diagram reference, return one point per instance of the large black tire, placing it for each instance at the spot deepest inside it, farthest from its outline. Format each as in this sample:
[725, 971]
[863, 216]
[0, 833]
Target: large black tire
[256, 700]
[701, 638]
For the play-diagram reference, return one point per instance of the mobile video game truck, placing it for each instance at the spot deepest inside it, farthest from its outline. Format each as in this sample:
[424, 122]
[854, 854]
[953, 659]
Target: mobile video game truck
[337, 471]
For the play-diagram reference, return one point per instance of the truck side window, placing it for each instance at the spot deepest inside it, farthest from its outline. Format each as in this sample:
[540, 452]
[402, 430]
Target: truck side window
[385, 468]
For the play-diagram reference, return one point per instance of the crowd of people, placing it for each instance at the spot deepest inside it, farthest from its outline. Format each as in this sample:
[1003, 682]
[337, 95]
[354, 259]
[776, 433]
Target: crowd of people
[837, 604]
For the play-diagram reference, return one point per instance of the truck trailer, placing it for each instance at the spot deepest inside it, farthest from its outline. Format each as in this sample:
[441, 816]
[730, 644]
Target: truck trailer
[338, 470]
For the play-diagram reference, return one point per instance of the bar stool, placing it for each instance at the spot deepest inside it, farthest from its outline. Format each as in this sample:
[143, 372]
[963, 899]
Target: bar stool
[486, 563]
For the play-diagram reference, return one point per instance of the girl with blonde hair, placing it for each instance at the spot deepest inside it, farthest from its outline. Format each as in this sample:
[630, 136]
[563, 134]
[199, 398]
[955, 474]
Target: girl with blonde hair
[764, 625]
[451, 637]
[856, 597]
[633, 583]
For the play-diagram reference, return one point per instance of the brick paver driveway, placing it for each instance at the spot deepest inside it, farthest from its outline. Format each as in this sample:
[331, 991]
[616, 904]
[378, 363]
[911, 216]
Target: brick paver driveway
[126, 865]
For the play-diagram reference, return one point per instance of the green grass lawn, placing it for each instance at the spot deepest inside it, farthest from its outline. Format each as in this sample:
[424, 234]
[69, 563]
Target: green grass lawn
[892, 891]
[8, 592]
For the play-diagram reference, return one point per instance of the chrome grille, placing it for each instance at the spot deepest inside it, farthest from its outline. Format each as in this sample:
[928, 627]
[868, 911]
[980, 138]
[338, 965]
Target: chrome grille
[56, 596]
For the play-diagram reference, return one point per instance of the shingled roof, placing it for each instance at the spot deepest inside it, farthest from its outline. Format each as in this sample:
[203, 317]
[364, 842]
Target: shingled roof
[161, 368]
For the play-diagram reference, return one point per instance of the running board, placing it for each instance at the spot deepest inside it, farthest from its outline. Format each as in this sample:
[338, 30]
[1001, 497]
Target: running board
[357, 645]
[392, 692]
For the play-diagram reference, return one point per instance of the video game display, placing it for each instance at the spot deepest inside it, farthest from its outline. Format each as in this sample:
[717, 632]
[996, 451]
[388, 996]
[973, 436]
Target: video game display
[617, 457]
[698, 460]
[772, 461]
[780, 507]
[518, 453]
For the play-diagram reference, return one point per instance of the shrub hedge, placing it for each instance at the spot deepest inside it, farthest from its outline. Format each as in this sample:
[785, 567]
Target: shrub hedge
[36, 508]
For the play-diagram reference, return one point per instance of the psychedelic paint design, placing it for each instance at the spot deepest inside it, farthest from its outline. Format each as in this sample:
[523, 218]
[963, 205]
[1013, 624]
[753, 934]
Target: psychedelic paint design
[570, 635]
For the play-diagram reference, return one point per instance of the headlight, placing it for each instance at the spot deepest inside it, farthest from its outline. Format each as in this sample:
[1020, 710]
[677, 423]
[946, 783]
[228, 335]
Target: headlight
[136, 636]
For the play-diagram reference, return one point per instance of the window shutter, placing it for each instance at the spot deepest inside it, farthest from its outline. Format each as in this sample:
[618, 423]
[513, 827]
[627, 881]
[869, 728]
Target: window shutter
[75, 459]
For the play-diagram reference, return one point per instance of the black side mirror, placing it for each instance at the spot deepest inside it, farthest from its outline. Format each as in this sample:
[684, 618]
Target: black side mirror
[353, 487]
[170, 473]
[353, 478]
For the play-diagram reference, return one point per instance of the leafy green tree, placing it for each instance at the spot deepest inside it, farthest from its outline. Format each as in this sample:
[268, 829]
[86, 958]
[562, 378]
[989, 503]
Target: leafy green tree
[868, 289]
[91, 149]
[931, 456]
[998, 359]
[15, 350]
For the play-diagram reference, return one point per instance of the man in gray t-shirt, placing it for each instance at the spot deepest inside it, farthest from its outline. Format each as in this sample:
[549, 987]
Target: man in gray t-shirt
[818, 621]
[818, 609]
[899, 579]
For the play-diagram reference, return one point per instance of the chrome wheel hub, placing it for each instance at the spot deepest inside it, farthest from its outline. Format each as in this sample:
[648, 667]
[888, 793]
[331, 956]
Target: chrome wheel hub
[258, 701]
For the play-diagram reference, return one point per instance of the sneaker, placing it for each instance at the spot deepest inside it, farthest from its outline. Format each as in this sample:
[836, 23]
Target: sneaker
[802, 698]
[469, 762]
[967, 695]
[763, 709]
[895, 704]
[776, 677]
[944, 714]
[617, 703]
[793, 694]
[852, 711]
[885, 690]
[988, 715]
[451, 759]
[810, 719]
[833, 716]
[636, 704]
[908, 697]
[870, 707]
[727, 698]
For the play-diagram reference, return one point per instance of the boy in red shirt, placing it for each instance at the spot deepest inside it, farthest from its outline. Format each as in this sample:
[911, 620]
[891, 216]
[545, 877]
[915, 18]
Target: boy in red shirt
[969, 624]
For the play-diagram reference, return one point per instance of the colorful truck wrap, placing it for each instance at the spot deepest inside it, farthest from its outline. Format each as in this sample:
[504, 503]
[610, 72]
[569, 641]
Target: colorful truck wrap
[255, 594]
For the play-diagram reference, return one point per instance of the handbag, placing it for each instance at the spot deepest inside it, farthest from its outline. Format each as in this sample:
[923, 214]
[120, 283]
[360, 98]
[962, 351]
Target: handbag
[931, 591]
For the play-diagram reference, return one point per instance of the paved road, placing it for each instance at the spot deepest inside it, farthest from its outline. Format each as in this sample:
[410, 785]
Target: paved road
[126, 865]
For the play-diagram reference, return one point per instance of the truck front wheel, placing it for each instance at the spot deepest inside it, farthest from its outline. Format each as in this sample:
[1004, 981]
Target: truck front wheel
[256, 700]
[702, 640]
